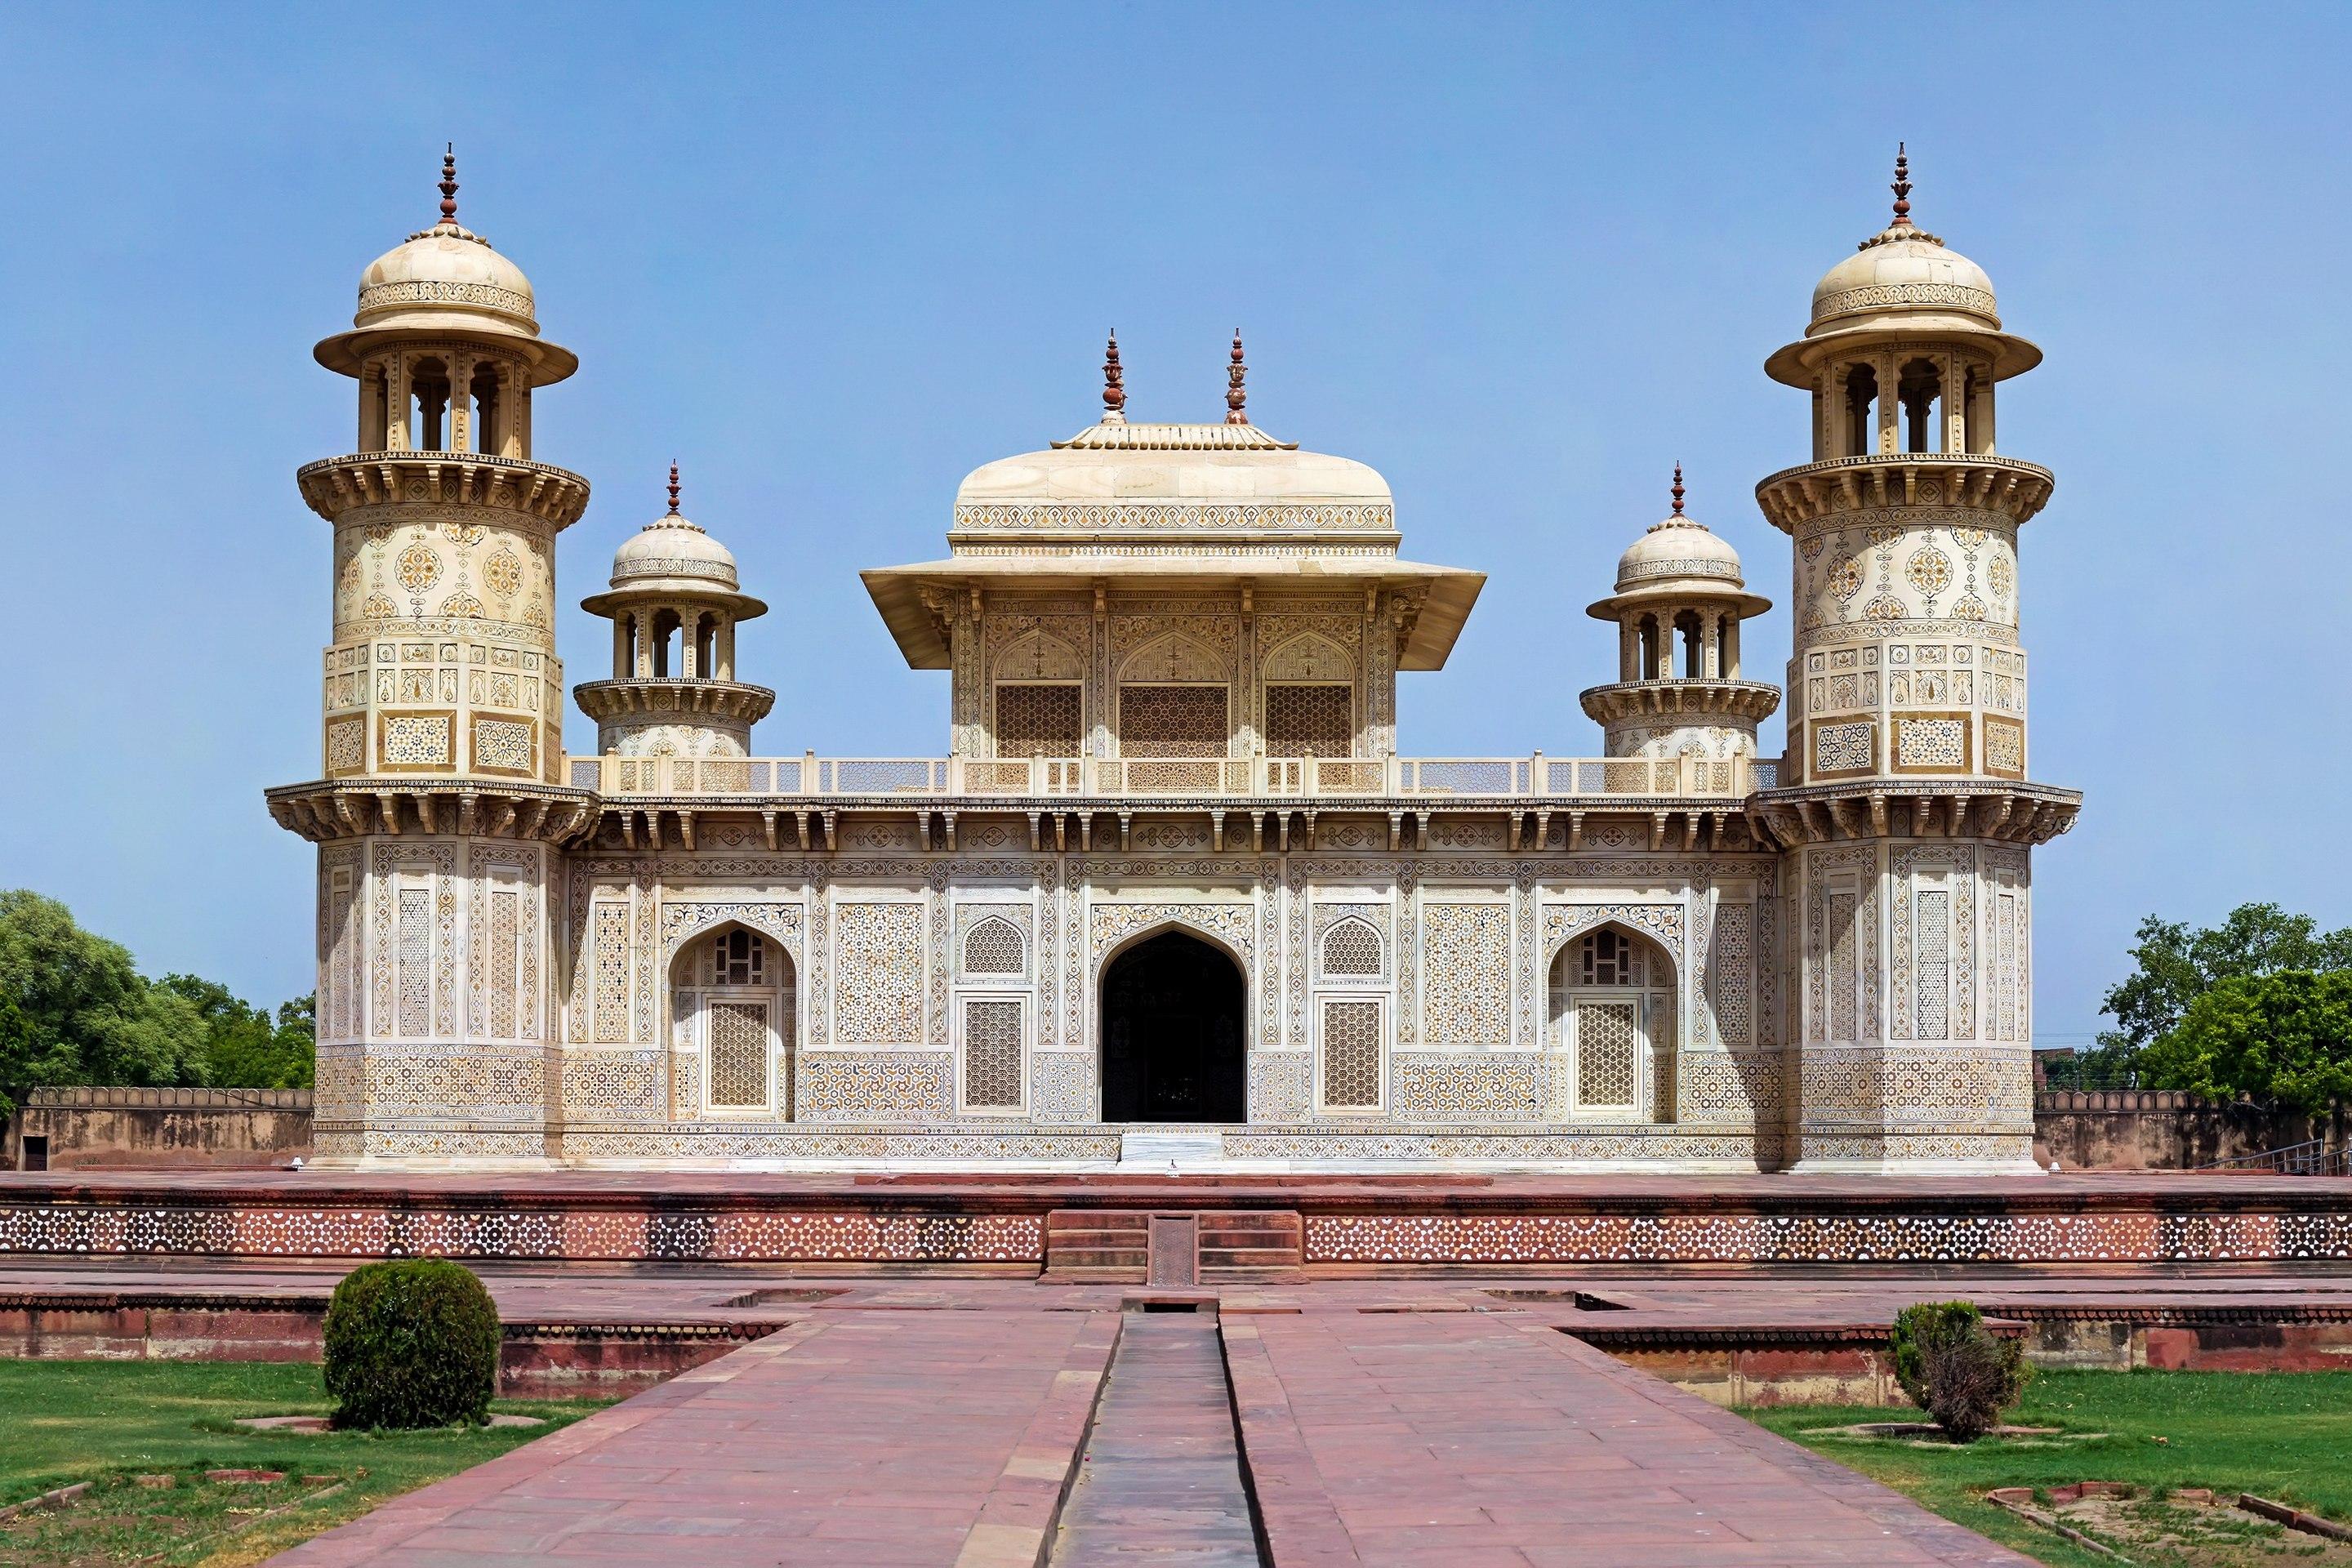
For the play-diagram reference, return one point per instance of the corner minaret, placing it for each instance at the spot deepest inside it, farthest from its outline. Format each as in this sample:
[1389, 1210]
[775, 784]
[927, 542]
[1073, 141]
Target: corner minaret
[440, 801]
[1904, 808]
[1679, 601]
[444, 525]
[673, 605]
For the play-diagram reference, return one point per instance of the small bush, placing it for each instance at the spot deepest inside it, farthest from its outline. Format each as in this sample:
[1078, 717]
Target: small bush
[412, 1342]
[1962, 1375]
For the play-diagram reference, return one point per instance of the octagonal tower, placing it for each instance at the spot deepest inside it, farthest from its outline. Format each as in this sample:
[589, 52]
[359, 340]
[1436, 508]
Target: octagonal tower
[439, 804]
[1904, 805]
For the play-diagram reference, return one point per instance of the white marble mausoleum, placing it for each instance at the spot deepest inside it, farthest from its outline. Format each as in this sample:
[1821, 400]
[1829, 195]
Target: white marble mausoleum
[1172, 892]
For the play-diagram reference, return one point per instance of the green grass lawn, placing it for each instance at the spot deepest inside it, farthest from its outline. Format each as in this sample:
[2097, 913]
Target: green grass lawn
[2283, 1435]
[107, 1422]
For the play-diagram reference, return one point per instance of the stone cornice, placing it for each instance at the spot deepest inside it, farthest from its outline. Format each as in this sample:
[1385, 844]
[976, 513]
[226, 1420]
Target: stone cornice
[325, 811]
[1748, 700]
[657, 696]
[1941, 808]
[1968, 480]
[1056, 823]
[333, 486]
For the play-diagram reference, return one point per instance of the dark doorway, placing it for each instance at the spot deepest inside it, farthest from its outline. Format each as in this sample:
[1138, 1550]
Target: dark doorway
[1171, 1031]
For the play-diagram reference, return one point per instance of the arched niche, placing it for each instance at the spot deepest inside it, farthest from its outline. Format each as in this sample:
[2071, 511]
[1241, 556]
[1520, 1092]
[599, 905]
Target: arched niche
[734, 1024]
[1173, 659]
[1612, 1025]
[1309, 656]
[1037, 657]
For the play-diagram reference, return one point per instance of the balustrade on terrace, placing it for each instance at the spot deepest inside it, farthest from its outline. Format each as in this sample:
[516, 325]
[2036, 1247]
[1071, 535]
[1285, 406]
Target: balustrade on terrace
[1532, 776]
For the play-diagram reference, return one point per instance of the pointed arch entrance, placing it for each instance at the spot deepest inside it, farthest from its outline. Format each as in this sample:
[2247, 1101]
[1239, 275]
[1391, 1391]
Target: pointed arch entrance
[1174, 1044]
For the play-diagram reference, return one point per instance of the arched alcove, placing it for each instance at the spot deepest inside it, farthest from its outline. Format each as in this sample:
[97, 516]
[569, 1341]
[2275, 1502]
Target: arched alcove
[734, 1025]
[1613, 1027]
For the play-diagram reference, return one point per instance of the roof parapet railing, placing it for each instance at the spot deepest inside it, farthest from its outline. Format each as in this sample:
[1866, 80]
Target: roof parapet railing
[1533, 776]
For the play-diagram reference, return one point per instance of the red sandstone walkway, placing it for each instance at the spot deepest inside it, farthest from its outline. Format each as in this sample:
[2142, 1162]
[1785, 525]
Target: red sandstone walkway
[1477, 1441]
[878, 1440]
[949, 1437]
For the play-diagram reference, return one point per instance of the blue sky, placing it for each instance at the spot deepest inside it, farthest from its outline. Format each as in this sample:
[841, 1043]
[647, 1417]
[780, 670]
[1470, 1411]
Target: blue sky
[1521, 260]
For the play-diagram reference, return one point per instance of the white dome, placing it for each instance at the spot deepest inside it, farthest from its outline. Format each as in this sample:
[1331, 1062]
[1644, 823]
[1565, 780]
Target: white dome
[1897, 277]
[672, 549]
[446, 275]
[446, 280]
[1677, 548]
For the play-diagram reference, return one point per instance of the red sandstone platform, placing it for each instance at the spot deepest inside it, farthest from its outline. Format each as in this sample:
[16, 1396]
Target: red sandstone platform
[1014, 1425]
[1240, 1227]
[892, 1420]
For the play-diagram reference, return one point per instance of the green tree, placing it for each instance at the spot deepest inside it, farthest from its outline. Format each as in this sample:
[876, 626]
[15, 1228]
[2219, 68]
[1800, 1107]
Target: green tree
[2284, 1037]
[74, 1009]
[2174, 964]
[245, 1048]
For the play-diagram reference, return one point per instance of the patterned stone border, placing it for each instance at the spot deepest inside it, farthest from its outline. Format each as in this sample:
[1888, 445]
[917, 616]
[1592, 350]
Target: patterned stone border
[1348, 1225]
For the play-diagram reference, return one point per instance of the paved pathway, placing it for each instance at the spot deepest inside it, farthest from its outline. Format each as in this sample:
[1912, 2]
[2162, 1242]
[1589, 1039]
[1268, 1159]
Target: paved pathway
[879, 1440]
[956, 1434]
[1478, 1442]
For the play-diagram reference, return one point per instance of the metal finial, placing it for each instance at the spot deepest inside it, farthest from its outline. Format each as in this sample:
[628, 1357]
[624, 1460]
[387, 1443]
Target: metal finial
[1114, 392]
[673, 489]
[1902, 187]
[1234, 394]
[449, 184]
[1678, 489]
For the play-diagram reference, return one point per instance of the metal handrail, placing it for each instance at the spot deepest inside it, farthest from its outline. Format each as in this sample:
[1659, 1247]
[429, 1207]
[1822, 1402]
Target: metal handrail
[2312, 1157]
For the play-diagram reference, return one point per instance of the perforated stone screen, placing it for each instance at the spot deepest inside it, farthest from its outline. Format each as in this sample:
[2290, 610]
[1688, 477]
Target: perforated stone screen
[1310, 720]
[1352, 1056]
[1036, 720]
[1606, 1067]
[739, 1054]
[1351, 947]
[1172, 721]
[992, 947]
[991, 1054]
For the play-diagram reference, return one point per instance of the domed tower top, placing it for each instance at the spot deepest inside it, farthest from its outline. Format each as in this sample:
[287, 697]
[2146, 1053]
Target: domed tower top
[1679, 584]
[1901, 282]
[673, 604]
[1903, 347]
[447, 281]
[1678, 559]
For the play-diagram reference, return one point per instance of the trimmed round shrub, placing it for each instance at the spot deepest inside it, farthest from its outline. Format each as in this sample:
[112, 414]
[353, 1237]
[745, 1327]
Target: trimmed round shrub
[412, 1342]
[1959, 1373]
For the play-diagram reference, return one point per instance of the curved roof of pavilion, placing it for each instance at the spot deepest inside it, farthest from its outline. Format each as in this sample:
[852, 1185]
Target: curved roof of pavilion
[1173, 506]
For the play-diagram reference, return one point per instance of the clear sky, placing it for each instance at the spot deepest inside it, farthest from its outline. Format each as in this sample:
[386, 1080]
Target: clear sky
[1520, 259]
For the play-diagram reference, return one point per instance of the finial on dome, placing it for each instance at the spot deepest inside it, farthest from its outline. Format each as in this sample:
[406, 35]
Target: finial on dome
[1234, 394]
[1114, 392]
[449, 184]
[1678, 489]
[1902, 188]
[673, 489]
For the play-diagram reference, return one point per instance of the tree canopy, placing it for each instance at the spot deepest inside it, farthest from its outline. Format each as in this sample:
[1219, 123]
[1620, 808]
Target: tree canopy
[2284, 1037]
[2260, 1005]
[74, 1009]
